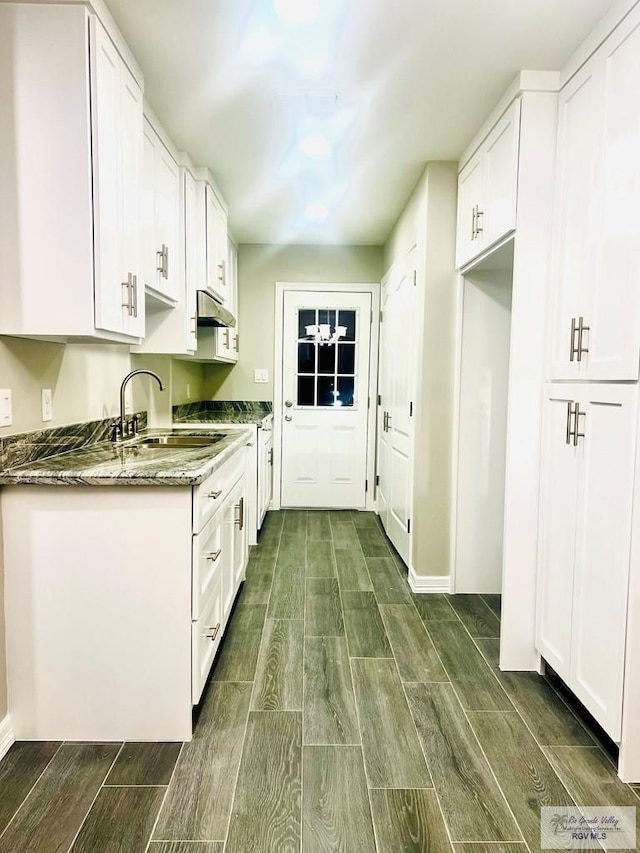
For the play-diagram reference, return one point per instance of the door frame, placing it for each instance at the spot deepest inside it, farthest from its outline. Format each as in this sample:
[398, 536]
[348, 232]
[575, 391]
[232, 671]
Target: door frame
[324, 287]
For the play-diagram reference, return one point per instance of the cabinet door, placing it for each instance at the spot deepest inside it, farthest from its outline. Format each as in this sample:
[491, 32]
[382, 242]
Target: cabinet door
[613, 340]
[603, 542]
[498, 215]
[216, 229]
[206, 634]
[166, 222]
[470, 194]
[558, 503]
[117, 136]
[129, 189]
[190, 214]
[265, 468]
[575, 218]
[112, 289]
[235, 542]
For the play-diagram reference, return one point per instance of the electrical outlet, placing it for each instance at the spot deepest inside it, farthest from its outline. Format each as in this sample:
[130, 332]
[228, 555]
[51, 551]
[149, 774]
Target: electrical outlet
[6, 416]
[47, 405]
[260, 375]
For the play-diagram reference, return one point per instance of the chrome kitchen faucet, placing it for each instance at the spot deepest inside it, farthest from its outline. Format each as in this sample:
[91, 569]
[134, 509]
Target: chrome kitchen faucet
[125, 427]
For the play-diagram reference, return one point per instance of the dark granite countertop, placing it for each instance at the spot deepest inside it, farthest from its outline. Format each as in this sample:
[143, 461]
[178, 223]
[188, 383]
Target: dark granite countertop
[222, 412]
[104, 463]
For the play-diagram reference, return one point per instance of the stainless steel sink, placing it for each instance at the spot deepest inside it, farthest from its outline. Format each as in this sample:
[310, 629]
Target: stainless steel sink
[163, 442]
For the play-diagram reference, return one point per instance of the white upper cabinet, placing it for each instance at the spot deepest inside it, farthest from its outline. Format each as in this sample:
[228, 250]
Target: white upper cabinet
[487, 189]
[596, 259]
[161, 199]
[69, 247]
[217, 274]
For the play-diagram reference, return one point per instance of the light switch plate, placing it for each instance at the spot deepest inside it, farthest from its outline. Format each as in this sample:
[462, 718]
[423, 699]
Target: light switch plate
[260, 375]
[47, 405]
[6, 415]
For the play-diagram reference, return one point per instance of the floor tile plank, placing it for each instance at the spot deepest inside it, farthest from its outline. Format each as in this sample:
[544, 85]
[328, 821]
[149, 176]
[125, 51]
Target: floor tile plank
[550, 720]
[523, 772]
[413, 650]
[473, 678]
[494, 602]
[490, 650]
[591, 779]
[408, 820]
[392, 754]
[238, 654]
[318, 526]
[267, 808]
[488, 848]
[295, 522]
[120, 819]
[329, 703]
[320, 561]
[336, 812]
[472, 804]
[287, 588]
[343, 533]
[198, 802]
[475, 615]
[186, 847]
[434, 607]
[144, 764]
[366, 636]
[19, 771]
[323, 609]
[56, 807]
[352, 569]
[257, 587]
[388, 584]
[278, 679]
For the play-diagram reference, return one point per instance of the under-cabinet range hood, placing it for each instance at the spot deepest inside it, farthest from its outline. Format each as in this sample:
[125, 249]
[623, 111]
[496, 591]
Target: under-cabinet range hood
[212, 313]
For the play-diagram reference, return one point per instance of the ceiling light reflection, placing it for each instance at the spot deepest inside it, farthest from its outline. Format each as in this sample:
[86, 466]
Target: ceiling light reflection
[315, 145]
[316, 211]
[297, 11]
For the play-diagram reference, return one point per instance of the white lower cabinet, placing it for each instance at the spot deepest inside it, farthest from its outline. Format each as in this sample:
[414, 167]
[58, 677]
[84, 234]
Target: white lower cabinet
[585, 542]
[265, 472]
[117, 599]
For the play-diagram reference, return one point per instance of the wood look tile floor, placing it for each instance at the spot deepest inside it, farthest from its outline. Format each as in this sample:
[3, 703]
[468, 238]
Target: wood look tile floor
[344, 713]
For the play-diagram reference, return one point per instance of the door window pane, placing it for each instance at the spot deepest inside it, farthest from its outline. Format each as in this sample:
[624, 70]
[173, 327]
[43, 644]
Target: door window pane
[346, 358]
[326, 391]
[347, 319]
[306, 387]
[306, 317]
[327, 317]
[306, 358]
[326, 358]
[345, 390]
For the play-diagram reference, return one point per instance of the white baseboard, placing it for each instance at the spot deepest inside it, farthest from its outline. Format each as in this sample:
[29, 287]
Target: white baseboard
[7, 737]
[435, 583]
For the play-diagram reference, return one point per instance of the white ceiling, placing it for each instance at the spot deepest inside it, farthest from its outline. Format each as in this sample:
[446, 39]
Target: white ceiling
[236, 87]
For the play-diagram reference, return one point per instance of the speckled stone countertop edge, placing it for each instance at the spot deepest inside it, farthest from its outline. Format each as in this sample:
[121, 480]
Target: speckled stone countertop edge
[104, 464]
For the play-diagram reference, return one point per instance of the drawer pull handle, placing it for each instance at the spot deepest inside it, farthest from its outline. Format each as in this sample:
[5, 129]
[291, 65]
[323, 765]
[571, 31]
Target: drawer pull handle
[213, 555]
[214, 495]
[240, 519]
[212, 633]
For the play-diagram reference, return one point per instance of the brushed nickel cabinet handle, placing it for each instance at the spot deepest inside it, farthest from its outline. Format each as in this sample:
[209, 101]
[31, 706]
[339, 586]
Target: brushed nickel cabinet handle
[212, 632]
[479, 213]
[569, 433]
[134, 296]
[582, 328]
[576, 431]
[165, 263]
[212, 555]
[473, 222]
[573, 349]
[240, 519]
[222, 272]
[214, 495]
[160, 261]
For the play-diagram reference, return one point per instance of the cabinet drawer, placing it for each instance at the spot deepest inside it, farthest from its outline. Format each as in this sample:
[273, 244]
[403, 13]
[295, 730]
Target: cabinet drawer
[205, 638]
[209, 496]
[207, 563]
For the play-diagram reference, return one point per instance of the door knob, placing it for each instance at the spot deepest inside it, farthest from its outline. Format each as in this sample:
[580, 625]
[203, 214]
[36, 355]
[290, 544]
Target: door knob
[288, 418]
[288, 403]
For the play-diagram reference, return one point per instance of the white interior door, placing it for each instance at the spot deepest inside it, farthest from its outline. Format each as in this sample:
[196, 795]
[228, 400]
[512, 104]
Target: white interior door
[325, 386]
[395, 412]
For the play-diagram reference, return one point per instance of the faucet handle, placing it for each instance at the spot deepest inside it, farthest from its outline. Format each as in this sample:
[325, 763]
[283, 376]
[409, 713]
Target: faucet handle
[134, 425]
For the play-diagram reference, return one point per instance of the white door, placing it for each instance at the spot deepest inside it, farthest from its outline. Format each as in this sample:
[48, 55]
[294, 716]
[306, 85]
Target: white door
[395, 409]
[325, 386]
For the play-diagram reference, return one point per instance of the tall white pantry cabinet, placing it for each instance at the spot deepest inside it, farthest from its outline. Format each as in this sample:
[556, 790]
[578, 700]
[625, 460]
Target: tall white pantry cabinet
[588, 605]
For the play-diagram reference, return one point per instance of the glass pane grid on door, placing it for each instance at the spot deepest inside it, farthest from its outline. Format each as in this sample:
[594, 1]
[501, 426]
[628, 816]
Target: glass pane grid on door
[326, 370]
